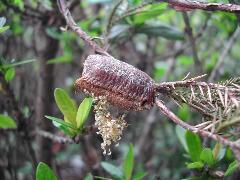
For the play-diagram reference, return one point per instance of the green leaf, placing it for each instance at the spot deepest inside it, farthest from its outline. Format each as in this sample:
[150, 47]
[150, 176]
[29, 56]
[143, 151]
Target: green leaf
[184, 112]
[149, 12]
[7, 122]
[62, 122]
[83, 112]
[9, 74]
[195, 165]
[89, 176]
[231, 168]
[119, 30]
[111, 169]
[2, 21]
[181, 136]
[3, 29]
[66, 130]
[218, 152]
[196, 178]
[128, 163]
[18, 63]
[66, 105]
[164, 31]
[139, 176]
[44, 172]
[194, 145]
[62, 59]
[207, 156]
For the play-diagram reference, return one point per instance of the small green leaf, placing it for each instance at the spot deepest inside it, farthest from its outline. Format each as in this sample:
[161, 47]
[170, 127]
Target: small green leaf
[149, 12]
[195, 165]
[83, 112]
[194, 145]
[184, 112]
[62, 122]
[218, 152]
[128, 163]
[139, 175]
[207, 156]
[7, 122]
[2, 21]
[66, 130]
[62, 59]
[181, 136]
[9, 75]
[18, 63]
[111, 169]
[66, 105]
[231, 168]
[3, 29]
[44, 172]
[164, 31]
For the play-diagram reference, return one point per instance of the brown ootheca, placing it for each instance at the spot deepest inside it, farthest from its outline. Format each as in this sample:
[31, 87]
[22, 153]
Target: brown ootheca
[122, 84]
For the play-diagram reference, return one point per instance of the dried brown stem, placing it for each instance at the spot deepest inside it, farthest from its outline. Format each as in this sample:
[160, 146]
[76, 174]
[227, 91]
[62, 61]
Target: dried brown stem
[191, 5]
[73, 25]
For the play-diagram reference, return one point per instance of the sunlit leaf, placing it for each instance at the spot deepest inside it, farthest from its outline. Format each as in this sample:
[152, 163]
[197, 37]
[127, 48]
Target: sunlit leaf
[231, 168]
[44, 172]
[194, 145]
[7, 122]
[83, 112]
[9, 74]
[66, 105]
[207, 156]
[195, 165]
[3, 29]
[62, 122]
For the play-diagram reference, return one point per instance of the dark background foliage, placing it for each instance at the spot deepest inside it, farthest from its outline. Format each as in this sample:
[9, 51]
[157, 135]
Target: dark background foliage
[36, 57]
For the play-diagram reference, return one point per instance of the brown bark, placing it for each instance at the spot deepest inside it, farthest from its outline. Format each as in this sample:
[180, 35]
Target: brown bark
[45, 89]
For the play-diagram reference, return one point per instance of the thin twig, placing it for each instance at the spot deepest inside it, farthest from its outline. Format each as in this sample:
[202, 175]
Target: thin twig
[223, 55]
[73, 25]
[191, 5]
[188, 29]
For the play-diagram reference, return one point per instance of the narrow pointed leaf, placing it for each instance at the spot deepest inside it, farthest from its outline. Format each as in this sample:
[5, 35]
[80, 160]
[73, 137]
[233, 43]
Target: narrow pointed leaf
[66, 105]
[231, 168]
[83, 112]
[62, 122]
[128, 163]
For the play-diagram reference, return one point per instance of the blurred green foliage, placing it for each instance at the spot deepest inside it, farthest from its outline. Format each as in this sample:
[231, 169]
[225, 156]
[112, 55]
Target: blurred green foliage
[193, 159]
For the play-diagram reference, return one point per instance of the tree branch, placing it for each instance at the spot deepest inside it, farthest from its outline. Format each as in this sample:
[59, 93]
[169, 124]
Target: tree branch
[73, 25]
[235, 146]
[184, 5]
